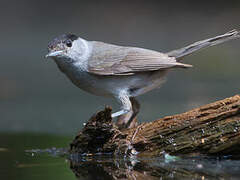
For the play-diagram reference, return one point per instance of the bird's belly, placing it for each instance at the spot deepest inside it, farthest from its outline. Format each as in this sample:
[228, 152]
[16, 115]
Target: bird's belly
[89, 83]
[136, 84]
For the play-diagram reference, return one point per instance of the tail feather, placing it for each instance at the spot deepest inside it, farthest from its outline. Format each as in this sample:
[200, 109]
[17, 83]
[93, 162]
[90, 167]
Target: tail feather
[234, 34]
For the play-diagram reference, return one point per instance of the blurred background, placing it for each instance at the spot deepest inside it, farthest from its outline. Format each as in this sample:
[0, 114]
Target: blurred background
[36, 97]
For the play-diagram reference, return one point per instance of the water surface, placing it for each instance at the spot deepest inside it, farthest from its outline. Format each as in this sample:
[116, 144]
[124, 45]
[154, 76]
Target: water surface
[41, 156]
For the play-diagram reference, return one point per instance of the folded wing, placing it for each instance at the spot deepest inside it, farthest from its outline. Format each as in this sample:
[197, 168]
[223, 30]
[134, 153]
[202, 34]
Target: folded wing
[108, 59]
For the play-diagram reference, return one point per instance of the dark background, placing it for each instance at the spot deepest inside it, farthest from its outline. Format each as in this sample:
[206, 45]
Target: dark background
[36, 97]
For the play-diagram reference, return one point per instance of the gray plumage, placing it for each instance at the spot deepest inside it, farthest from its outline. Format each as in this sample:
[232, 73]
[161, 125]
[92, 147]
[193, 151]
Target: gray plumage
[108, 59]
[120, 71]
[179, 53]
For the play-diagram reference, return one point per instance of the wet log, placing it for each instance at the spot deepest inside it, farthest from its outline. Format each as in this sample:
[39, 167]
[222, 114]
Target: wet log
[213, 129]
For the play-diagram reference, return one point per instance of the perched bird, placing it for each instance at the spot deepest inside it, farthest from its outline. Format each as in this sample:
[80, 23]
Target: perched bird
[119, 71]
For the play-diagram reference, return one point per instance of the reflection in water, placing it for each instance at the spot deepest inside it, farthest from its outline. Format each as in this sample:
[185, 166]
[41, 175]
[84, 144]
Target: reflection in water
[190, 168]
[105, 166]
[56, 163]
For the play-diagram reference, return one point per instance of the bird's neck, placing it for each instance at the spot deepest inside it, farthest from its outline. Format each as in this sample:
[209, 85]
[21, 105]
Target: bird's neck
[86, 51]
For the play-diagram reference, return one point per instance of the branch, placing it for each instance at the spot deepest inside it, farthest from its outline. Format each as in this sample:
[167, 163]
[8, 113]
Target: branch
[212, 129]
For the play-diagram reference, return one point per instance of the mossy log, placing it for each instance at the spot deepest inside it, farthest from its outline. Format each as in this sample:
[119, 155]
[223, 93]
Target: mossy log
[213, 129]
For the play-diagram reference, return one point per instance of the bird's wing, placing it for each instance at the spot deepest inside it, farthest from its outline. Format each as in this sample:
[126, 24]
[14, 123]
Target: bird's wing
[108, 59]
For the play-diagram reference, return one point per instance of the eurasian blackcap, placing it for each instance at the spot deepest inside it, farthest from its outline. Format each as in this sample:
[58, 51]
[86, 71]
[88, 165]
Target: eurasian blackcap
[119, 71]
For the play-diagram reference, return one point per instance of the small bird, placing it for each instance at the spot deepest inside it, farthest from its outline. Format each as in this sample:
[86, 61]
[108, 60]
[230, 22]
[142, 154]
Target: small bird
[120, 72]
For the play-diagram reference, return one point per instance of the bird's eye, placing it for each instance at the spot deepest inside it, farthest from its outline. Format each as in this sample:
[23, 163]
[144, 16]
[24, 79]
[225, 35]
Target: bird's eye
[69, 44]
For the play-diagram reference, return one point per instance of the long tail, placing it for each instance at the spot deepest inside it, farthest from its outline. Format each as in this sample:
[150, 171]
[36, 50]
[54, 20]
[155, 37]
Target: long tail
[234, 34]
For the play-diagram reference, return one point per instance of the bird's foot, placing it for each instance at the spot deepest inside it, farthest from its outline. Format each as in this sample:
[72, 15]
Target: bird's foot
[119, 113]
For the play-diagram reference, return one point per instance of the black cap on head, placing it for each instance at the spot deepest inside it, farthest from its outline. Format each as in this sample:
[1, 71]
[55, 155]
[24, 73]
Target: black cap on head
[64, 38]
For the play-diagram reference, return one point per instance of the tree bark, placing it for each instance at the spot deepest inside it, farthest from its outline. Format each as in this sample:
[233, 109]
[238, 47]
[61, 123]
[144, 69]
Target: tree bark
[212, 129]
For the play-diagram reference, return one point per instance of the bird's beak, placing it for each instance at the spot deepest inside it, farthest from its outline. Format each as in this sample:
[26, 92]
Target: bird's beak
[53, 54]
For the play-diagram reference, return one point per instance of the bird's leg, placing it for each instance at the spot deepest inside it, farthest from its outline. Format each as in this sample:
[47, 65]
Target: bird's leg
[128, 120]
[126, 104]
[135, 109]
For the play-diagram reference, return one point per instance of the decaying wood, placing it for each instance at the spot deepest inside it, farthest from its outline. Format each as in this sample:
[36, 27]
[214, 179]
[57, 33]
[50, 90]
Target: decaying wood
[212, 129]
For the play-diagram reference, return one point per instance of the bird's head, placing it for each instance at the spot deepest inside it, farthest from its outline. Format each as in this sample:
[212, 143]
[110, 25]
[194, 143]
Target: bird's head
[67, 47]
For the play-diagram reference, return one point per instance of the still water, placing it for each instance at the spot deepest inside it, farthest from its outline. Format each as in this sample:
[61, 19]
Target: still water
[39, 156]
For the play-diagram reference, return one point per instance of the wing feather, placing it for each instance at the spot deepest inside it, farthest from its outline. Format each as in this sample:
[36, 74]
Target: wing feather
[108, 59]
